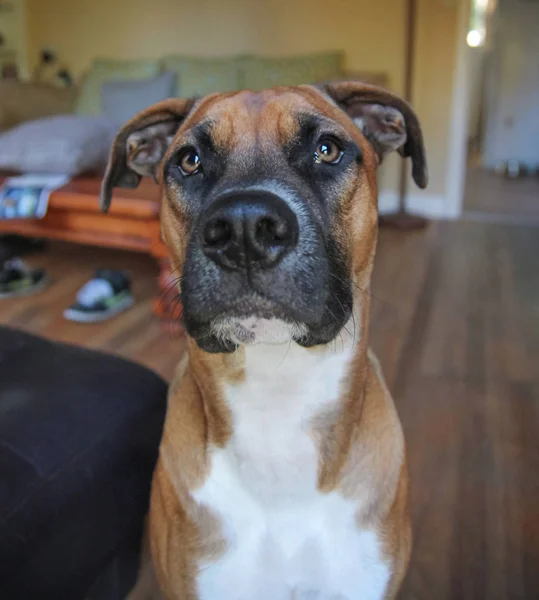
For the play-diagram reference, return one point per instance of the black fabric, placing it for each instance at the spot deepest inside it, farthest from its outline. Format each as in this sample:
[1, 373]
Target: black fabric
[96, 307]
[79, 433]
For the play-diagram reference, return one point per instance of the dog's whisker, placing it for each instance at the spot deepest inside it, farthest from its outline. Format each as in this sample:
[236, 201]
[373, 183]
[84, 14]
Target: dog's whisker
[363, 292]
[353, 319]
[286, 354]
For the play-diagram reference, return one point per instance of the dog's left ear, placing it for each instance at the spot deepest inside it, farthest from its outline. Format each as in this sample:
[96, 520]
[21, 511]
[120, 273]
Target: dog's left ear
[140, 145]
[387, 121]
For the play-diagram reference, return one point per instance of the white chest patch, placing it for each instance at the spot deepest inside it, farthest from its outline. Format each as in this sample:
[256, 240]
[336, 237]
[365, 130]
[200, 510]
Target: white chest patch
[285, 539]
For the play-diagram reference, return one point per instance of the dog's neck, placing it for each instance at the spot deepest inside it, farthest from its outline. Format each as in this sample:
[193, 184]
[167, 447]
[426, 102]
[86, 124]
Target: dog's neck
[277, 376]
[266, 397]
[266, 372]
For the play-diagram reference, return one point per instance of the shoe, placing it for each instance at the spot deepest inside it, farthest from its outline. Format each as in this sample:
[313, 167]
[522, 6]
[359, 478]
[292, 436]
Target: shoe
[104, 296]
[17, 279]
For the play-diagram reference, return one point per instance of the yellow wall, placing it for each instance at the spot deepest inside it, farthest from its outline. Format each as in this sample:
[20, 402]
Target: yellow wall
[12, 27]
[435, 62]
[371, 32]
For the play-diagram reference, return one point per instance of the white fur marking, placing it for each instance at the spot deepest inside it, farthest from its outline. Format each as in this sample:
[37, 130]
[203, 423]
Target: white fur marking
[285, 539]
[255, 330]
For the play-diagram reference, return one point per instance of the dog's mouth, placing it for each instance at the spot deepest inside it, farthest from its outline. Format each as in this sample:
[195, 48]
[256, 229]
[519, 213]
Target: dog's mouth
[257, 330]
[254, 319]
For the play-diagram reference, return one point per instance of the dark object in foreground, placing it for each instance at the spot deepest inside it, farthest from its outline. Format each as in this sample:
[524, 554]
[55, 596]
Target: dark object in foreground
[79, 433]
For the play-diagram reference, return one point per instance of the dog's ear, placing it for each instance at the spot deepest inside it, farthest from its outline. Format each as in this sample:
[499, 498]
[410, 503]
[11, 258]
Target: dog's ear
[140, 145]
[387, 121]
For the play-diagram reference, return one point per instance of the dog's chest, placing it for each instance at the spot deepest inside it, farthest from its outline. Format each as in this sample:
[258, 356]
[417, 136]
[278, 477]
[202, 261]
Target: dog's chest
[285, 539]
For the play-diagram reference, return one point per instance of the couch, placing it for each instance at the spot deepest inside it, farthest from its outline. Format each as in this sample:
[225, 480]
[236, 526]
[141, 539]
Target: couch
[79, 436]
[195, 76]
[25, 101]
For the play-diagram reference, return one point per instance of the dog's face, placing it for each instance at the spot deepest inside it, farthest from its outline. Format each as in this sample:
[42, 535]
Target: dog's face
[269, 203]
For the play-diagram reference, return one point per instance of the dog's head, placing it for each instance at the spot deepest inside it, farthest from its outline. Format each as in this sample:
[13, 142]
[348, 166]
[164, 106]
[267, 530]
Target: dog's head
[269, 203]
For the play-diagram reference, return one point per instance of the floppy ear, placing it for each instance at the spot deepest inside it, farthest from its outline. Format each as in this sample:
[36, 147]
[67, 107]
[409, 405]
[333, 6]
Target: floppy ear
[387, 121]
[140, 145]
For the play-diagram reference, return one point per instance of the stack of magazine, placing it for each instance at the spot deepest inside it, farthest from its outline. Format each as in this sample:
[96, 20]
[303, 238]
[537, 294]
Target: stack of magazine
[27, 196]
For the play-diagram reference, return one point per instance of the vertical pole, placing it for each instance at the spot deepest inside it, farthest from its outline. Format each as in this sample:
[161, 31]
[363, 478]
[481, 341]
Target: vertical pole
[409, 54]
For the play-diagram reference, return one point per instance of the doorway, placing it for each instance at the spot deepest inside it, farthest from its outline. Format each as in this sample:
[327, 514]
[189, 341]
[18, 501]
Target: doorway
[502, 175]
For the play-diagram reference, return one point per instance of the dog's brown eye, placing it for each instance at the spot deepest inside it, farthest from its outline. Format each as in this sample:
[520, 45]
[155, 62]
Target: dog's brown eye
[189, 162]
[328, 151]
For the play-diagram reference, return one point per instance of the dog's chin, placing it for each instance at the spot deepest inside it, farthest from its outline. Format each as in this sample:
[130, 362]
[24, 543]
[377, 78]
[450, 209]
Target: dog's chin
[257, 330]
[226, 334]
[256, 320]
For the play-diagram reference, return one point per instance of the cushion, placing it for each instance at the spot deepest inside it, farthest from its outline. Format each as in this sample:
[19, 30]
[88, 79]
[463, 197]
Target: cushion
[200, 76]
[102, 70]
[122, 100]
[66, 144]
[263, 72]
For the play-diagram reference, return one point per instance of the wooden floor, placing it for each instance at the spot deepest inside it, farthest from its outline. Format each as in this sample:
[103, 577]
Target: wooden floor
[455, 322]
[457, 329]
[491, 194]
[136, 334]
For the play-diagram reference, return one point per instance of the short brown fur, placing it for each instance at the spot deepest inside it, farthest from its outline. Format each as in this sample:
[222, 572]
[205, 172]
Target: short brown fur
[360, 442]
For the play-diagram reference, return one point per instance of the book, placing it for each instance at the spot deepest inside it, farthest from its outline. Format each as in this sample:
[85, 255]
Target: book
[27, 196]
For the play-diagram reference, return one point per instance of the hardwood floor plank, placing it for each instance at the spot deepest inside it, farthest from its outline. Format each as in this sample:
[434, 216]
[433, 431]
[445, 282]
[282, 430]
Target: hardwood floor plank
[489, 193]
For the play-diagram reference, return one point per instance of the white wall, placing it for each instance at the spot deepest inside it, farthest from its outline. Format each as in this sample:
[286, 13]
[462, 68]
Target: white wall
[512, 92]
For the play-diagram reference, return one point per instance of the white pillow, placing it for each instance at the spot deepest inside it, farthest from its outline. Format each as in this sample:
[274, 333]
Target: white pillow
[66, 144]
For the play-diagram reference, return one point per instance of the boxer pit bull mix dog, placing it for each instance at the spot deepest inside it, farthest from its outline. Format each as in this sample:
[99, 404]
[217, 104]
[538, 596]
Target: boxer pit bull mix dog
[282, 471]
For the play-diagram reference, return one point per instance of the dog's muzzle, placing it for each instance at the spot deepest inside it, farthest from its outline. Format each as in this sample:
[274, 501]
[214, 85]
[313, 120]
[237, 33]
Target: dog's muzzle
[257, 270]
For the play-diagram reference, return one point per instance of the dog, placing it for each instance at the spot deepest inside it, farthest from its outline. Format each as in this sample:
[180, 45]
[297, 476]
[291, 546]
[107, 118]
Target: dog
[282, 471]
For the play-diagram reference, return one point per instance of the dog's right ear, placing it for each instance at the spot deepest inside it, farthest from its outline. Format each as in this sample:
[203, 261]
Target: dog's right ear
[140, 145]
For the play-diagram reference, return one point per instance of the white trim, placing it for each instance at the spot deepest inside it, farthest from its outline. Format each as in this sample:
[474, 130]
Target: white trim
[388, 202]
[456, 167]
[432, 206]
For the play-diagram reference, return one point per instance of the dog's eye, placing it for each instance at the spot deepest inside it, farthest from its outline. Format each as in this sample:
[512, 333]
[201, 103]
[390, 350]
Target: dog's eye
[328, 151]
[189, 162]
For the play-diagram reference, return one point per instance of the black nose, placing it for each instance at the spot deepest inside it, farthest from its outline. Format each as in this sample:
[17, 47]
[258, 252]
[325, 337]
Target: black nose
[248, 228]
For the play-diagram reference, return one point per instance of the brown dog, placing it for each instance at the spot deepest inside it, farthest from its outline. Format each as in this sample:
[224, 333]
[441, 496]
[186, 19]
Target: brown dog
[282, 470]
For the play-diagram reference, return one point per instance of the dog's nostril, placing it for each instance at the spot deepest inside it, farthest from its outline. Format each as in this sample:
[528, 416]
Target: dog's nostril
[218, 233]
[271, 230]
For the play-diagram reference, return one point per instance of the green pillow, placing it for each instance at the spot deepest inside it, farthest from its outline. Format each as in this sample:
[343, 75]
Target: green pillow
[103, 70]
[264, 72]
[198, 76]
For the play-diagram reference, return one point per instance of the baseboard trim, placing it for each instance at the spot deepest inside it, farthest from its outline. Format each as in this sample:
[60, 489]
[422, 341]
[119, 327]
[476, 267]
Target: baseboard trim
[431, 206]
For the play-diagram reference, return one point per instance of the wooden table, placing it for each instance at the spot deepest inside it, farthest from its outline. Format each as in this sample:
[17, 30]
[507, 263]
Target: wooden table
[131, 224]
